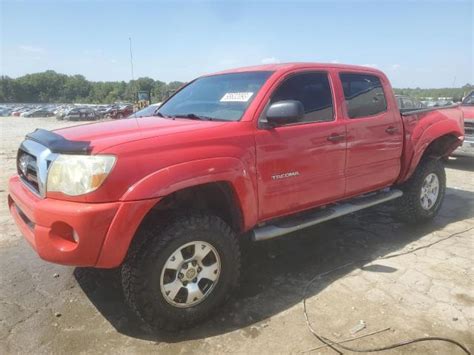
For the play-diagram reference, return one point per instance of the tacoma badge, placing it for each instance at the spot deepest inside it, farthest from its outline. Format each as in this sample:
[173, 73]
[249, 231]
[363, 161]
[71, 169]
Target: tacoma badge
[285, 175]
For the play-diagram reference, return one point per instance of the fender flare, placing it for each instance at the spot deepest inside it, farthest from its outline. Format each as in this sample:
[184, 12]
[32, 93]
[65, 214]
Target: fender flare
[173, 178]
[140, 198]
[423, 136]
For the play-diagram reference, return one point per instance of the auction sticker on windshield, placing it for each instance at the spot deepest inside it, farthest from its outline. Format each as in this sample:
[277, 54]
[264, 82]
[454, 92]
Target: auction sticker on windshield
[236, 97]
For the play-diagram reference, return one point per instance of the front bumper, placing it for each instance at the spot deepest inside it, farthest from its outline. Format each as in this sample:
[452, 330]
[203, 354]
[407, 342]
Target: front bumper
[72, 233]
[466, 149]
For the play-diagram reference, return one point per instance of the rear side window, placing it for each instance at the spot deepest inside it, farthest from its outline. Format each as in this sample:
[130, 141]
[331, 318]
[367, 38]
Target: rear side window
[314, 92]
[408, 104]
[364, 95]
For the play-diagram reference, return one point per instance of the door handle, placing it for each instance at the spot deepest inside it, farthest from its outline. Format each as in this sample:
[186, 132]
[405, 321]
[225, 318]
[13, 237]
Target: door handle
[335, 137]
[391, 130]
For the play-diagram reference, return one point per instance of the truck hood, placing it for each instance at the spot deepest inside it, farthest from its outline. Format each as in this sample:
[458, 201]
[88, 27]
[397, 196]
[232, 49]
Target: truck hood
[107, 134]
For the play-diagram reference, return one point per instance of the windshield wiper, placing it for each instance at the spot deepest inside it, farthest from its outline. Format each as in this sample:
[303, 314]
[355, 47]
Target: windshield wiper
[193, 116]
[159, 114]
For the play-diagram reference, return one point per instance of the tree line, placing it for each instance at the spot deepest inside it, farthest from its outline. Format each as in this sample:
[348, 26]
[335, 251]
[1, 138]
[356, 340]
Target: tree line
[456, 94]
[52, 87]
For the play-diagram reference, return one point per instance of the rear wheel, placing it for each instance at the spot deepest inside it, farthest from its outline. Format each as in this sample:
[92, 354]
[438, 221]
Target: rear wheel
[423, 193]
[176, 274]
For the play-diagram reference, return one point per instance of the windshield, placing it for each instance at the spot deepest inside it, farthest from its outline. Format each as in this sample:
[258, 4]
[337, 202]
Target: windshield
[219, 97]
[469, 100]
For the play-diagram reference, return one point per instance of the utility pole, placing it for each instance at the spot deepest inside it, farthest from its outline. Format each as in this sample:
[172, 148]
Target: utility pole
[132, 83]
[131, 57]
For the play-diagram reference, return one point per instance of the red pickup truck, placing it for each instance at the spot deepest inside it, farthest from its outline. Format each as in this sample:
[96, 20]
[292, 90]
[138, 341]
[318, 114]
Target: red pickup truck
[259, 151]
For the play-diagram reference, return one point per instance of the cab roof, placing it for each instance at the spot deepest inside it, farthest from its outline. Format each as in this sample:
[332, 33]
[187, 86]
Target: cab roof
[298, 65]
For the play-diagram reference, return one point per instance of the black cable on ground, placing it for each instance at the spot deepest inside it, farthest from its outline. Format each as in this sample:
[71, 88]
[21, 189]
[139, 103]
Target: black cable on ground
[351, 339]
[424, 246]
[335, 345]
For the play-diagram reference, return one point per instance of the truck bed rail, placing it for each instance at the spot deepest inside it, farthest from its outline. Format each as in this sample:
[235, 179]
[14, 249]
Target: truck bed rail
[407, 112]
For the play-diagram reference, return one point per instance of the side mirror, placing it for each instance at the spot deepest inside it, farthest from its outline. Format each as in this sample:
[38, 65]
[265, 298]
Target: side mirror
[284, 112]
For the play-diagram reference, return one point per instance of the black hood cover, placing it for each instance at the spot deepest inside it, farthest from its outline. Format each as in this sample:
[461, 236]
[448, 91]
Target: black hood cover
[58, 144]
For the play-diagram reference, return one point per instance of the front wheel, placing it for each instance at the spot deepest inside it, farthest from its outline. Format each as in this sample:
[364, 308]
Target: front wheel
[179, 273]
[423, 193]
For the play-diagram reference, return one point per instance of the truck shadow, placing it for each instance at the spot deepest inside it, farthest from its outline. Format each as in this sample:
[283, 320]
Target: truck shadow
[461, 163]
[275, 272]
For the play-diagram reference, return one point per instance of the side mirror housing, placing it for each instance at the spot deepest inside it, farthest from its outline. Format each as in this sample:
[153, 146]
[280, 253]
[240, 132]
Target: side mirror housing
[284, 112]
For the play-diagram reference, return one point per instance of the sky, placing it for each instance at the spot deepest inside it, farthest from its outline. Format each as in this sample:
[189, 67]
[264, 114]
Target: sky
[416, 43]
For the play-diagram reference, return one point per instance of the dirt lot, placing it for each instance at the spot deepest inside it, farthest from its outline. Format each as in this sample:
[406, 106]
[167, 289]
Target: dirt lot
[46, 308]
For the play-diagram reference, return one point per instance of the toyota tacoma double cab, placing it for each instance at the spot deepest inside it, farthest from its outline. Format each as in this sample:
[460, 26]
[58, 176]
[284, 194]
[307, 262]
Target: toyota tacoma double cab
[255, 152]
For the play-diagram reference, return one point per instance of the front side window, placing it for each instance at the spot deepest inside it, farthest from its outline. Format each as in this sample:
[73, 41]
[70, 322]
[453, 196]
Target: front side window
[219, 97]
[364, 94]
[313, 91]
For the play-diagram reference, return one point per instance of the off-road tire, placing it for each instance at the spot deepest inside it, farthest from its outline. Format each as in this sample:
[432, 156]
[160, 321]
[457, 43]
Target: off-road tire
[409, 208]
[153, 245]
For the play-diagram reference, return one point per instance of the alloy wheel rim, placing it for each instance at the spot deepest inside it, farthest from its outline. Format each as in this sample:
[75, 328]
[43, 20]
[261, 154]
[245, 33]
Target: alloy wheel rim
[429, 191]
[190, 274]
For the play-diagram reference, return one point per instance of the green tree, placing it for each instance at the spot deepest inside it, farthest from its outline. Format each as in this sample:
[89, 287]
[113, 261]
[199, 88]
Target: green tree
[76, 88]
[7, 89]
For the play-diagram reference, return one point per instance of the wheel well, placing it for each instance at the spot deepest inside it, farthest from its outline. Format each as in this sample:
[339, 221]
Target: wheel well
[217, 198]
[441, 146]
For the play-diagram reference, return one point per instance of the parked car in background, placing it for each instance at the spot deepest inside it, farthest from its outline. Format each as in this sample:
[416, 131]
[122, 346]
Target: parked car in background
[147, 111]
[467, 107]
[5, 111]
[120, 111]
[107, 110]
[408, 103]
[17, 111]
[62, 111]
[41, 112]
[101, 110]
[81, 113]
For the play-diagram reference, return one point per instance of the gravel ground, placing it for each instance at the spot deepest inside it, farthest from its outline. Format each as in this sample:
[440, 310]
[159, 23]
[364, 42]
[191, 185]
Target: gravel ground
[47, 308]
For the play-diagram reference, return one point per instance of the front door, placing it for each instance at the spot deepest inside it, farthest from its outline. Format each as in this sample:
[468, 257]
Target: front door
[301, 165]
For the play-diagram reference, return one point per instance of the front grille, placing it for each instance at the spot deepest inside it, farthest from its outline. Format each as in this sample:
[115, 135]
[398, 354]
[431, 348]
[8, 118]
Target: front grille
[33, 161]
[27, 168]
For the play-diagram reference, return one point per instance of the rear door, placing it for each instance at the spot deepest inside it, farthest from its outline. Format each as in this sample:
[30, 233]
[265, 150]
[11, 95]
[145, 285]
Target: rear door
[374, 133]
[301, 165]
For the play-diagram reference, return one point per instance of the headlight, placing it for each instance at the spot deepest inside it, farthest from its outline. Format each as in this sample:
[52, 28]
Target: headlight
[78, 174]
